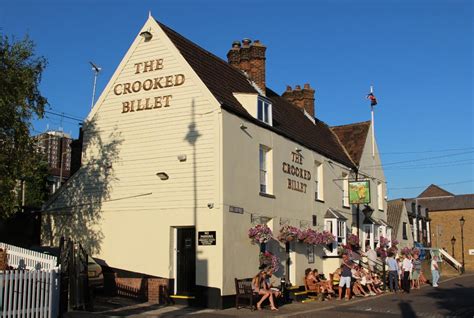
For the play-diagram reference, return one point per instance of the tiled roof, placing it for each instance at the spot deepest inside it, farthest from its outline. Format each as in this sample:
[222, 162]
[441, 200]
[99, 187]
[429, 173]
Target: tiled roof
[394, 213]
[434, 191]
[288, 120]
[457, 202]
[353, 138]
[334, 213]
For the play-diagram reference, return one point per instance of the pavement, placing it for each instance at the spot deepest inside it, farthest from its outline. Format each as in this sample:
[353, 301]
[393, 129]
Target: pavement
[453, 298]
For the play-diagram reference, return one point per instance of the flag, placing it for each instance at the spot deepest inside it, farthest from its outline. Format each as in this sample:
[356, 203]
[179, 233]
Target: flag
[373, 100]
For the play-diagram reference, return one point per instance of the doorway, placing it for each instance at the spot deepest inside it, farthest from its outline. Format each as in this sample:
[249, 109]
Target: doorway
[185, 261]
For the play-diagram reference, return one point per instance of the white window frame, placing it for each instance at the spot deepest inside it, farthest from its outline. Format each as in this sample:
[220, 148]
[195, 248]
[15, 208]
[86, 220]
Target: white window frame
[319, 181]
[337, 228]
[370, 234]
[265, 169]
[345, 190]
[341, 232]
[380, 195]
[264, 111]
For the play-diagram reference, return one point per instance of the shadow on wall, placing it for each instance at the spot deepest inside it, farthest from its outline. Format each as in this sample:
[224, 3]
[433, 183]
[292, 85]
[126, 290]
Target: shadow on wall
[75, 209]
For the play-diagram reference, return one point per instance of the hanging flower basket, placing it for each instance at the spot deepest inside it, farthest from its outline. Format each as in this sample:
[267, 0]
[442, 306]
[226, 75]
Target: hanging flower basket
[406, 251]
[260, 233]
[353, 240]
[288, 233]
[384, 242]
[326, 238]
[268, 260]
[312, 237]
[395, 243]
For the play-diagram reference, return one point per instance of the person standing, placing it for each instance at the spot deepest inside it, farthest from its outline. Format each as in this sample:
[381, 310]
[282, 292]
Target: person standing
[371, 257]
[406, 270]
[416, 272]
[346, 276]
[435, 271]
[392, 272]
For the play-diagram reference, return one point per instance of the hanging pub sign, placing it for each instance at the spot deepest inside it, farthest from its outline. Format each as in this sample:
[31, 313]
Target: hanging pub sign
[359, 192]
[207, 238]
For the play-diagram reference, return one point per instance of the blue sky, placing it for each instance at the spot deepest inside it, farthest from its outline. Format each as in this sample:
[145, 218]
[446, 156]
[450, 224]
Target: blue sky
[417, 53]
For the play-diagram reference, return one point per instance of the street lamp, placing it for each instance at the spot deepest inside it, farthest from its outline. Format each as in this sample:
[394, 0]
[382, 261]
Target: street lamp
[461, 221]
[453, 241]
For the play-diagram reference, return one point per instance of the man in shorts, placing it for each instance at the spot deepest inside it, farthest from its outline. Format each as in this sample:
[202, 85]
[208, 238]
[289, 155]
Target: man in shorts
[346, 276]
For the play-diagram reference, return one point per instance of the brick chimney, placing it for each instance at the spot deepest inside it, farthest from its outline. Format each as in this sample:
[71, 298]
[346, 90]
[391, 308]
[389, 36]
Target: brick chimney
[303, 98]
[249, 57]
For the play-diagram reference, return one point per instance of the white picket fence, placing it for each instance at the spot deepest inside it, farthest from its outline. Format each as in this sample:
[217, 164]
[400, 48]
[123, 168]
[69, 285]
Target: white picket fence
[23, 258]
[32, 289]
[29, 293]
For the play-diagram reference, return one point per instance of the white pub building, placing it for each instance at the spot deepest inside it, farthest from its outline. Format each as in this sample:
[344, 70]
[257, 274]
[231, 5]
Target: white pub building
[184, 152]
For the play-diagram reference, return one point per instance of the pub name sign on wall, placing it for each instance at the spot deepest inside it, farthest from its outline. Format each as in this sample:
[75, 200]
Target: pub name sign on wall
[295, 169]
[150, 84]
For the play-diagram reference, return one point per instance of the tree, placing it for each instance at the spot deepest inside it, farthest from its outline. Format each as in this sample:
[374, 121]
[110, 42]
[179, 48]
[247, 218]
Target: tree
[20, 102]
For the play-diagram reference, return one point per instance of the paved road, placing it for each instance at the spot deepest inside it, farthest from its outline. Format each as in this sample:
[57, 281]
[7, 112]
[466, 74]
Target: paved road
[454, 298]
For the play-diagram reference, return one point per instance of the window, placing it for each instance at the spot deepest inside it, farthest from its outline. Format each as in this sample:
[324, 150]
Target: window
[315, 220]
[404, 229]
[341, 232]
[367, 236]
[380, 196]
[345, 190]
[265, 172]
[413, 207]
[264, 111]
[319, 181]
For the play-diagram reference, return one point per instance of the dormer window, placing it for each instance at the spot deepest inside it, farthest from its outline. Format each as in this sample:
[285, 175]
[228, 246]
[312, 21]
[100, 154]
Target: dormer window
[264, 111]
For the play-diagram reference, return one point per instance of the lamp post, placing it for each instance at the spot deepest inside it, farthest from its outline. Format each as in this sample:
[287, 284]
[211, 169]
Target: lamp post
[461, 221]
[453, 241]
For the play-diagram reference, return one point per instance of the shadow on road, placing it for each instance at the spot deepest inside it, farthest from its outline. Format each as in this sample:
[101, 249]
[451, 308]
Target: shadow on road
[406, 309]
[455, 300]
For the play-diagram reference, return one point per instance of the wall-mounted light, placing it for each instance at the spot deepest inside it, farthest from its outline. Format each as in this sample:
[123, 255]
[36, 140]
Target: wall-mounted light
[163, 176]
[242, 126]
[298, 150]
[182, 158]
[146, 35]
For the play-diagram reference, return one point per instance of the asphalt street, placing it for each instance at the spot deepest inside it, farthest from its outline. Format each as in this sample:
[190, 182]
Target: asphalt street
[453, 298]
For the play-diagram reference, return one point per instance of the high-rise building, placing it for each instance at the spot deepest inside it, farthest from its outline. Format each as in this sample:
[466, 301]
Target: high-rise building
[56, 145]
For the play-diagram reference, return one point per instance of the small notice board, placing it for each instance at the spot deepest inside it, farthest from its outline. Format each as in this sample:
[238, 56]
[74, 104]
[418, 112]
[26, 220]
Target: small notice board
[207, 238]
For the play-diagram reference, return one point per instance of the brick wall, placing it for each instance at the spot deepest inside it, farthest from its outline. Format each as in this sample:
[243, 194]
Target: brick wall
[153, 290]
[445, 224]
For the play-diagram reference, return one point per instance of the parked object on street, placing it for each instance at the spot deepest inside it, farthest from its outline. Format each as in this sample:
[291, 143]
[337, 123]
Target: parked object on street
[94, 272]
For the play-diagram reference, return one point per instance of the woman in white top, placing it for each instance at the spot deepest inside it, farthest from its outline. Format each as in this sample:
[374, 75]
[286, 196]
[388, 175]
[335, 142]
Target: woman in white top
[406, 269]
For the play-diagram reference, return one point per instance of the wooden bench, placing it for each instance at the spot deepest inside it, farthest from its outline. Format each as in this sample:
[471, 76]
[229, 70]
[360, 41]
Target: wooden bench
[244, 291]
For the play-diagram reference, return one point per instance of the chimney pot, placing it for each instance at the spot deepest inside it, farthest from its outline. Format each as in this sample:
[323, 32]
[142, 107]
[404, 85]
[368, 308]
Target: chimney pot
[303, 99]
[246, 42]
[249, 59]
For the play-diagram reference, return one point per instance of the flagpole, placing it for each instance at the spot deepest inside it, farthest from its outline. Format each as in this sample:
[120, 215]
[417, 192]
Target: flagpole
[373, 123]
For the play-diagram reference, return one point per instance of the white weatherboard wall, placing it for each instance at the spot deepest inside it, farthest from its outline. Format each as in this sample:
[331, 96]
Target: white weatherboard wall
[117, 194]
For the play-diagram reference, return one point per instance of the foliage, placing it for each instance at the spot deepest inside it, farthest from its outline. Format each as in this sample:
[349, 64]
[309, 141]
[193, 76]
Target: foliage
[288, 233]
[313, 237]
[260, 233]
[353, 239]
[20, 102]
[268, 260]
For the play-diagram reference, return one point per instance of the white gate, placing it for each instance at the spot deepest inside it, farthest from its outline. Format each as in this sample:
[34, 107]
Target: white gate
[31, 289]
